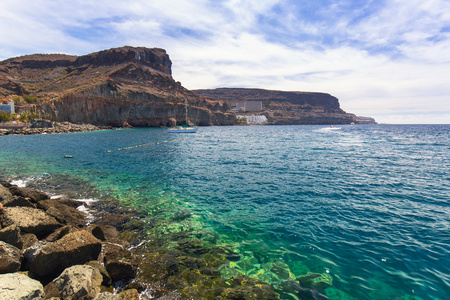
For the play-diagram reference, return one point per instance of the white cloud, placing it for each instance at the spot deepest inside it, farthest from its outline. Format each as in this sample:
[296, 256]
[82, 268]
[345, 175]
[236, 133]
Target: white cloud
[377, 59]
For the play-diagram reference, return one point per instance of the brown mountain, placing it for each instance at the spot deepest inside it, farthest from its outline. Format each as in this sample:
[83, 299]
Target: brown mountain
[134, 85]
[283, 107]
[123, 85]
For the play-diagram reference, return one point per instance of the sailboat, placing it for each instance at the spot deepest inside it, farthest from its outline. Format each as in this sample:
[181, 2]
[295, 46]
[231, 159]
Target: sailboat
[185, 128]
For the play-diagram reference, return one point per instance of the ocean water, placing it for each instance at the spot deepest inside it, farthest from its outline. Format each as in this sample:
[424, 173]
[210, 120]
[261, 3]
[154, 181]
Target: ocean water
[367, 207]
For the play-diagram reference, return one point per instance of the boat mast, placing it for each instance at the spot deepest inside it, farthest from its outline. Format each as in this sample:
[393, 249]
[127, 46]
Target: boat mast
[185, 100]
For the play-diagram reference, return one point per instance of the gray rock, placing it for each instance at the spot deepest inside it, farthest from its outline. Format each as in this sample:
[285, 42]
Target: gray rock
[12, 236]
[30, 220]
[108, 296]
[10, 258]
[65, 214]
[18, 201]
[20, 287]
[5, 194]
[79, 282]
[35, 196]
[74, 248]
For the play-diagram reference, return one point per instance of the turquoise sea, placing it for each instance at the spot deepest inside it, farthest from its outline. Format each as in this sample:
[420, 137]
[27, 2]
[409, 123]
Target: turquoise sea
[365, 206]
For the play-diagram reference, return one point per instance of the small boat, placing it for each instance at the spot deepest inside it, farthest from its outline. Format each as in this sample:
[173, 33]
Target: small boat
[185, 128]
[68, 156]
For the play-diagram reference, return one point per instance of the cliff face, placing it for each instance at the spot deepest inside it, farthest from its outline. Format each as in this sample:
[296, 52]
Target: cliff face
[111, 87]
[289, 108]
[134, 86]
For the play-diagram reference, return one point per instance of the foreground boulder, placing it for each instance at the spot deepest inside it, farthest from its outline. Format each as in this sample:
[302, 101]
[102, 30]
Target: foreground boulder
[79, 282]
[30, 220]
[19, 286]
[65, 214]
[34, 195]
[53, 257]
[10, 258]
[12, 236]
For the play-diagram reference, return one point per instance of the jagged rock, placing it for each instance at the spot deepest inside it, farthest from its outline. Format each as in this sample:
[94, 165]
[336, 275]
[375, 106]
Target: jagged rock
[79, 282]
[34, 195]
[131, 294]
[64, 214]
[28, 239]
[18, 201]
[30, 220]
[74, 248]
[19, 286]
[10, 258]
[39, 123]
[104, 232]
[108, 296]
[12, 236]
[5, 194]
[118, 262]
[60, 233]
[106, 278]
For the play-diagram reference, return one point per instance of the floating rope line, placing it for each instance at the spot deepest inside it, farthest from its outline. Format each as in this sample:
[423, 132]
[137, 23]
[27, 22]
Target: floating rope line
[151, 144]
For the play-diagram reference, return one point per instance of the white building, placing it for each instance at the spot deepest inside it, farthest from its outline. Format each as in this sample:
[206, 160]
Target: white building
[253, 119]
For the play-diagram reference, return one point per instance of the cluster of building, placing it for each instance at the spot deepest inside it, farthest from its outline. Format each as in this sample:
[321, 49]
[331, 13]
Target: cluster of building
[253, 119]
[8, 107]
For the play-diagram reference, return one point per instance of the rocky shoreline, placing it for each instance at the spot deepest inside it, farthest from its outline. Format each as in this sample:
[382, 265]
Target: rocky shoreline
[47, 127]
[52, 249]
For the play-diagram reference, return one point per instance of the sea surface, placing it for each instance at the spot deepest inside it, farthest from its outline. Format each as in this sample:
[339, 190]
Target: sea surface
[367, 206]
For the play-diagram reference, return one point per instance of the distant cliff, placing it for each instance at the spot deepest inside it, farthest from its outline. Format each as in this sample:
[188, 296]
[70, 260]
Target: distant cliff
[134, 86]
[119, 86]
[284, 108]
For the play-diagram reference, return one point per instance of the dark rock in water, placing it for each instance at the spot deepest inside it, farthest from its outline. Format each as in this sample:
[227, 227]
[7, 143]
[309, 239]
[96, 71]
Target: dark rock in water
[118, 262]
[233, 256]
[34, 195]
[10, 258]
[12, 236]
[74, 248]
[131, 294]
[106, 278]
[19, 286]
[104, 232]
[39, 123]
[79, 282]
[193, 247]
[30, 220]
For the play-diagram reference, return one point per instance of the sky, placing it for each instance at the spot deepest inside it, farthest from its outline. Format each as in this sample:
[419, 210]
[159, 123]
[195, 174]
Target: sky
[387, 59]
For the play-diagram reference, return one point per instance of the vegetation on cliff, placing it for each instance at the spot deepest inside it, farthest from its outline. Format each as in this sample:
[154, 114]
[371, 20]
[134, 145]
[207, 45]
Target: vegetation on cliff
[134, 86]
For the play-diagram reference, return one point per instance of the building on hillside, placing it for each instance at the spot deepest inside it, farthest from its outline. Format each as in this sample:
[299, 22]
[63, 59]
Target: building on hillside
[253, 119]
[8, 107]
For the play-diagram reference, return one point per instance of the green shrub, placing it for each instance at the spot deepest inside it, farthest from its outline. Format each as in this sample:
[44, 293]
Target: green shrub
[5, 116]
[30, 99]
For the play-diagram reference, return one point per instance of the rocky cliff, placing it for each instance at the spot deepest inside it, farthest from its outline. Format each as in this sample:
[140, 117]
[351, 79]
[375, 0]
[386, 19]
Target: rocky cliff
[283, 108]
[134, 86]
[127, 85]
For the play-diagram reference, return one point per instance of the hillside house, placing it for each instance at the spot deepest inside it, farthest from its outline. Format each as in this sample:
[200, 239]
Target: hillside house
[8, 107]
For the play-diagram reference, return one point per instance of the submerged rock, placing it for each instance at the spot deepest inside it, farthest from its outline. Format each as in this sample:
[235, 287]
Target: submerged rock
[19, 286]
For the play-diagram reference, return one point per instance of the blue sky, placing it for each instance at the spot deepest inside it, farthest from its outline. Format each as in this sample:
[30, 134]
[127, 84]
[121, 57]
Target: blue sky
[389, 59]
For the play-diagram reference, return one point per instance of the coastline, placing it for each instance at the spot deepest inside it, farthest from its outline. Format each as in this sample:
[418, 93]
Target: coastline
[48, 127]
[51, 241]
